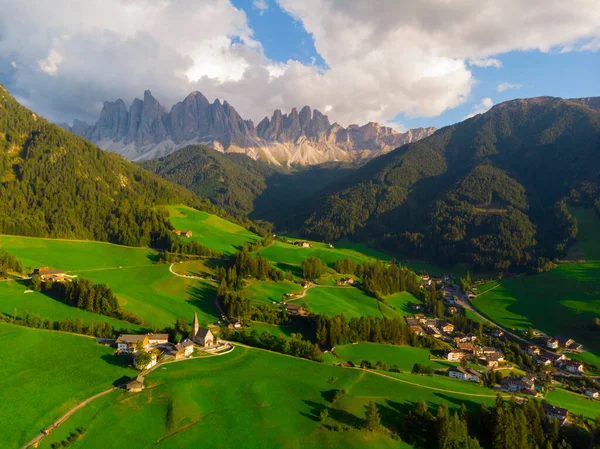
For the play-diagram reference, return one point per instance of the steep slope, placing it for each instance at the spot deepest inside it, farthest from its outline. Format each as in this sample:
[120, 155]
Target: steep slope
[55, 184]
[486, 191]
[244, 186]
[146, 131]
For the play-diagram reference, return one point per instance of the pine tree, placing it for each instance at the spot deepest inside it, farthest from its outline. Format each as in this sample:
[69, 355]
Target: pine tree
[372, 420]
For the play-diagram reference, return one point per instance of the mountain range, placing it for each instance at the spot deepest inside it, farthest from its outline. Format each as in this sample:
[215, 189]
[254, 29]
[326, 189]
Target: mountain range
[147, 131]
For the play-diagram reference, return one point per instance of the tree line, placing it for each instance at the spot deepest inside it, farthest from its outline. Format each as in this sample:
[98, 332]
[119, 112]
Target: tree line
[9, 263]
[73, 325]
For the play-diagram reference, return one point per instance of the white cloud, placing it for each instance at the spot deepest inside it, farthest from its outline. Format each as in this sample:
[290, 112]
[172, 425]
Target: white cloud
[261, 6]
[51, 63]
[13, 64]
[505, 86]
[480, 108]
[400, 57]
[485, 62]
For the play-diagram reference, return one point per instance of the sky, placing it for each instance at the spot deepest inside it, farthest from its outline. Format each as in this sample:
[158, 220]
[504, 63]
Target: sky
[401, 63]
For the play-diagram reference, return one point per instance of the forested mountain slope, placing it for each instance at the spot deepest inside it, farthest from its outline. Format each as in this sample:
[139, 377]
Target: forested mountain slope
[487, 191]
[55, 184]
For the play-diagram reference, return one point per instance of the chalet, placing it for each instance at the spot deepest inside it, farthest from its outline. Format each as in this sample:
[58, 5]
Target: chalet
[184, 349]
[552, 412]
[469, 294]
[592, 393]
[433, 331]
[533, 350]
[452, 310]
[556, 359]
[418, 330]
[346, 281]
[492, 360]
[411, 321]
[347, 364]
[303, 244]
[292, 308]
[576, 346]
[565, 342]
[136, 385]
[46, 273]
[467, 347]
[436, 280]
[545, 361]
[303, 284]
[515, 385]
[466, 339]
[130, 343]
[573, 367]
[552, 343]
[448, 328]
[464, 374]
[153, 360]
[158, 339]
[488, 350]
[454, 356]
[497, 333]
[182, 233]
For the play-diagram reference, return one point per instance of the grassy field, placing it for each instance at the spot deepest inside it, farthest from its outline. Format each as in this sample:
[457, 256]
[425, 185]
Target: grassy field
[208, 400]
[562, 301]
[273, 329]
[575, 403]
[399, 302]
[13, 298]
[402, 356]
[157, 296]
[43, 374]
[72, 255]
[348, 300]
[210, 230]
[268, 291]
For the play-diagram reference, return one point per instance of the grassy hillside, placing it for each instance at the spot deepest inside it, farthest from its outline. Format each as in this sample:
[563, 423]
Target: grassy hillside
[562, 301]
[43, 374]
[210, 230]
[348, 300]
[277, 407]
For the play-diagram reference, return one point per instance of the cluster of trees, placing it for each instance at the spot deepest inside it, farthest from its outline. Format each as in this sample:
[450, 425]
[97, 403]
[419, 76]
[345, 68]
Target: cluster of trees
[71, 439]
[313, 268]
[295, 345]
[235, 304]
[9, 263]
[338, 330]
[506, 425]
[191, 247]
[73, 325]
[380, 279]
[419, 368]
[85, 295]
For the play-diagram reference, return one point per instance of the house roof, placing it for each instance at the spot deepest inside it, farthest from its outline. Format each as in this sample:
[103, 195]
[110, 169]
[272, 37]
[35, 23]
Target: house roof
[458, 369]
[184, 344]
[203, 332]
[158, 336]
[555, 410]
[128, 338]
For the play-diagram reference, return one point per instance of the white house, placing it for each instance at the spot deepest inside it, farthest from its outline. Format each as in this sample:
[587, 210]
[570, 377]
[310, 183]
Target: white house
[592, 393]
[464, 374]
[454, 356]
[552, 343]
[573, 367]
[129, 343]
[184, 349]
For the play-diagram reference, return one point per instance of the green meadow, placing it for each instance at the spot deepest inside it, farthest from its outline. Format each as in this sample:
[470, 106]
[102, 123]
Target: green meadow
[208, 400]
[575, 403]
[14, 301]
[400, 301]
[70, 255]
[272, 329]
[402, 356]
[348, 300]
[43, 374]
[210, 230]
[562, 301]
[268, 291]
[159, 297]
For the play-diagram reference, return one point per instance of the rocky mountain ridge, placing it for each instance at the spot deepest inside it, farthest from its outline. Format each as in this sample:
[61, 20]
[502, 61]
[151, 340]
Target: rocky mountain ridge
[147, 131]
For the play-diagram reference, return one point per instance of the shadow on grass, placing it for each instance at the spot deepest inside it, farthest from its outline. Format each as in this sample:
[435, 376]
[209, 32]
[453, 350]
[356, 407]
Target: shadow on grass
[203, 295]
[295, 269]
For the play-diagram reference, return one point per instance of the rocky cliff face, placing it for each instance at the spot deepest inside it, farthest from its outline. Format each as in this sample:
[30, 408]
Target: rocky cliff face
[146, 131]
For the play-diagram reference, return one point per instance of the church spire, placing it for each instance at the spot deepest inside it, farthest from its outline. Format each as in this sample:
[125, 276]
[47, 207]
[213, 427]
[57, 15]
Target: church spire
[195, 325]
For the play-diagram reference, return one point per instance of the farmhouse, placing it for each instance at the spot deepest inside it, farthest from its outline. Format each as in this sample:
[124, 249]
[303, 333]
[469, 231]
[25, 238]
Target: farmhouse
[464, 374]
[420, 317]
[158, 339]
[448, 328]
[533, 350]
[545, 361]
[153, 360]
[454, 356]
[573, 367]
[525, 384]
[411, 321]
[46, 273]
[552, 343]
[556, 358]
[492, 360]
[303, 244]
[558, 413]
[469, 294]
[292, 308]
[184, 349]
[418, 330]
[565, 342]
[129, 343]
[303, 284]
[592, 393]
[466, 347]
[136, 385]
[182, 233]
[576, 346]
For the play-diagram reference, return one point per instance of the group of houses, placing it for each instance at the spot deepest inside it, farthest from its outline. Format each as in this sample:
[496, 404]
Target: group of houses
[136, 344]
[468, 374]
[421, 325]
[555, 359]
[524, 385]
[346, 281]
[182, 232]
[564, 343]
[486, 355]
[48, 274]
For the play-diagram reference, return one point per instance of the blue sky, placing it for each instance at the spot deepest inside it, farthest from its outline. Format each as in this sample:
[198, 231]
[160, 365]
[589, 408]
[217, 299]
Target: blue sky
[404, 63]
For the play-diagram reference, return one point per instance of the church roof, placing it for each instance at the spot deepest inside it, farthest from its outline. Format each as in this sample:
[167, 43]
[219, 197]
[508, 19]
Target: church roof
[202, 333]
